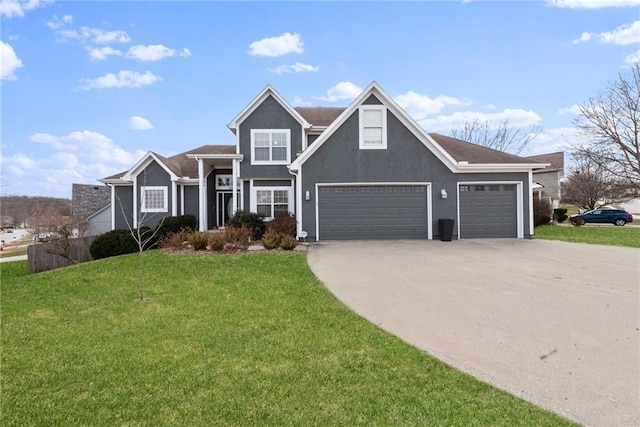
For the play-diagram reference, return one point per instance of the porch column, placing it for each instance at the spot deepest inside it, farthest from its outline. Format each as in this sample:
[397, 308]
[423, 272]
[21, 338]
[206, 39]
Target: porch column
[202, 197]
[234, 185]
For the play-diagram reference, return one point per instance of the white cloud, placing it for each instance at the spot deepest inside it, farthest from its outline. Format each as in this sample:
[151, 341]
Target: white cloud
[418, 106]
[622, 35]
[277, 46]
[584, 37]
[343, 90]
[154, 52]
[299, 102]
[86, 34]
[592, 4]
[101, 53]
[80, 156]
[633, 58]
[552, 140]
[9, 62]
[139, 123]
[574, 109]
[15, 8]
[298, 67]
[121, 80]
[58, 23]
[517, 117]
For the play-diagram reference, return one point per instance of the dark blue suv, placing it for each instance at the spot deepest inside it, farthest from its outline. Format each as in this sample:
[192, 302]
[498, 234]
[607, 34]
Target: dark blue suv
[606, 215]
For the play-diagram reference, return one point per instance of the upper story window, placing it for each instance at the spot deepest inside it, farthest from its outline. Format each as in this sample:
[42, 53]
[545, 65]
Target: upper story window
[373, 127]
[270, 146]
[154, 199]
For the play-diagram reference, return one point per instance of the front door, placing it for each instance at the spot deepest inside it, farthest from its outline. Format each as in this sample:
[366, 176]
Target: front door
[225, 207]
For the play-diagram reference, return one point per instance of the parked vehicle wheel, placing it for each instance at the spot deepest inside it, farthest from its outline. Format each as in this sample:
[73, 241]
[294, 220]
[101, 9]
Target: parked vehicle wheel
[577, 221]
[619, 222]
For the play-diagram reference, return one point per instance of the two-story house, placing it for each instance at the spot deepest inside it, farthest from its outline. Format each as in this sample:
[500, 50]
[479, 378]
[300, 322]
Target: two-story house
[367, 171]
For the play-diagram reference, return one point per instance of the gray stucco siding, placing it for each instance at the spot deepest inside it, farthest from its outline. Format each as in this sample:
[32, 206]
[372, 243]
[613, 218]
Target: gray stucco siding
[268, 115]
[123, 203]
[406, 159]
[191, 203]
[153, 175]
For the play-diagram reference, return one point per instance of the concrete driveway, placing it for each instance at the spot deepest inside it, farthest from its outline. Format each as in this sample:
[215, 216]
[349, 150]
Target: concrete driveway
[554, 323]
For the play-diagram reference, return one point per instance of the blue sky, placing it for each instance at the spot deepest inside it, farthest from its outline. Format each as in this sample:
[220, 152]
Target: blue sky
[89, 87]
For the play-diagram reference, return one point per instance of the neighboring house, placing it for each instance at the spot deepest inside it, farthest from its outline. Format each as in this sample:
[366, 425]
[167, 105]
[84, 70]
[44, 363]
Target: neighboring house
[367, 171]
[548, 179]
[90, 207]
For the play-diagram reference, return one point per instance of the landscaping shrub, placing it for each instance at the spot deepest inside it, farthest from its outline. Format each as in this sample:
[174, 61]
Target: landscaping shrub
[271, 239]
[216, 242]
[560, 214]
[174, 224]
[198, 240]
[284, 223]
[116, 242]
[237, 238]
[250, 220]
[288, 242]
[175, 240]
[541, 212]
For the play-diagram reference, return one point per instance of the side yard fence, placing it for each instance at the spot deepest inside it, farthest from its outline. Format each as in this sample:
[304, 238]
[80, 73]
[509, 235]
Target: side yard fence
[56, 254]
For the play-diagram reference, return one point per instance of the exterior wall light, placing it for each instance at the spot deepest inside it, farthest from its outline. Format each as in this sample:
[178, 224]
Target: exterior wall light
[307, 196]
[443, 193]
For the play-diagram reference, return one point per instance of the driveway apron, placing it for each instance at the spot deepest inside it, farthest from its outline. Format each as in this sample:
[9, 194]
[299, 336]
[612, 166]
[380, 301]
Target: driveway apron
[554, 323]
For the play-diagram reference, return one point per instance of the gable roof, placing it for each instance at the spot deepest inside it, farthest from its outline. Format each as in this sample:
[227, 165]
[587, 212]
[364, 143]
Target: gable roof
[458, 156]
[556, 160]
[464, 151]
[88, 199]
[266, 92]
[320, 116]
[181, 165]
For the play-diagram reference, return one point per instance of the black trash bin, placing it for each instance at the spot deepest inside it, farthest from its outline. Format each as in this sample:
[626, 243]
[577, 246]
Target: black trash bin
[446, 229]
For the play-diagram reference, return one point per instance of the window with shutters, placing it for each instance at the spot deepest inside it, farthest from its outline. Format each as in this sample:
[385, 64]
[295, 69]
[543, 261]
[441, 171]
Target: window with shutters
[373, 127]
[270, 146]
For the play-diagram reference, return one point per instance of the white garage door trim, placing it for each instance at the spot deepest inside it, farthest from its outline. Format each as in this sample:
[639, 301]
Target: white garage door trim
[370, 184]
[519, 200]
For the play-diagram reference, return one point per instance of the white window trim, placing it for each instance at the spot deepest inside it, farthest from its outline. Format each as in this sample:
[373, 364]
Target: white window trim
[254, 198]
[270, 162]
[361, 111]
[165, 193]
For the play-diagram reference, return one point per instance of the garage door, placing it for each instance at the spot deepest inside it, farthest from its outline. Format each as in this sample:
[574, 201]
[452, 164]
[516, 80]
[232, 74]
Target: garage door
[488, 211]
[372, 212]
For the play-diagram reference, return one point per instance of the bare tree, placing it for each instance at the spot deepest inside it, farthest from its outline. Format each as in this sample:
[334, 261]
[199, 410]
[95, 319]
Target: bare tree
[586, 184]
[144, 236]
[610, 124]
[499, 136]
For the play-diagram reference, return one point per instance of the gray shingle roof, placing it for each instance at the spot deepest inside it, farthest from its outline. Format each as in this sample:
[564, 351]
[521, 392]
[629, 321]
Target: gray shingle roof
[556, 160]
[463, 151]
[320, 116]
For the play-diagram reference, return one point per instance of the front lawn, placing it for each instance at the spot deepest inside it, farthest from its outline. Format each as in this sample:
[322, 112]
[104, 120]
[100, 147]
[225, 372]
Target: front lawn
[600, 235]
[251, 339]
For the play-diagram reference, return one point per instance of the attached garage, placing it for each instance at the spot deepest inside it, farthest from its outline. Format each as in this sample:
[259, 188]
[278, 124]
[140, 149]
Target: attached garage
[488, 210]
[373, 211]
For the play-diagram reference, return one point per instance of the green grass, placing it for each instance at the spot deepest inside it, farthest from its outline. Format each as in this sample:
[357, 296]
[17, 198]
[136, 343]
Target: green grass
[241, 340]
[614, 236]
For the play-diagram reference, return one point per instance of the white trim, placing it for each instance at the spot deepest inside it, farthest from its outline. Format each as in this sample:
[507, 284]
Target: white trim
[299, 200]
[270, 161]
[519, 199]
[383, 125]
[259, 99]
[113, 207]
[290, 196]
[378, 184]
[234, 185]
[143, 163]
[135, 202]
[165, 196]
[182, 199]
[531, 222]
[202, 194]
[174, 198]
